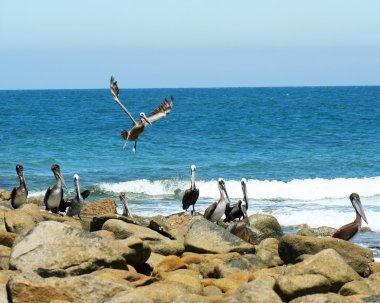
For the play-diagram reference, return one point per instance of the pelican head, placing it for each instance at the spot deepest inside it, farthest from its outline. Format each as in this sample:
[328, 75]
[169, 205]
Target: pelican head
[57, 173]
[122, 195]
[19, 169]
[142, 116]
[356, 203]
[193, 167]
[222, 186]
[76, 178]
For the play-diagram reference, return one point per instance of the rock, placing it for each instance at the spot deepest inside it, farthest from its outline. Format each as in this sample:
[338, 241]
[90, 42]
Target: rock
[124, 277]
[7, 238]
[157, 242]
[5, 253]
[56, 249]
[105, 234]
[365, 229]
[212, 291]
[85, 288]
[62, 219]
[204, 236]
[187, 277]
[264, 226]
[370, 286]
[163, 291]
[374, 267]
[19, 221]
[323, 272]
[4, 277]
[128, 297]
[320, 298]
[267, 251]
[5, 195]
[174, 226]
[98, 221]
[322, 231]
[293, 246]
[222, 265]
[99, 207]
[169, 263]
[257, 291]
[133, 249]
[226, 285]
[192, 298]
[154, 260]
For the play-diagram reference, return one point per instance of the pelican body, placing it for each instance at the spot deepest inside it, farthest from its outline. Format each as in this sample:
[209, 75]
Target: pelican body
[54, 195]
[126, 210]
[191, 195]
[139, 126]
[350, 230]
[217, 209]
[76, 204]
[19, 195]
[235, 212]
[238, 227]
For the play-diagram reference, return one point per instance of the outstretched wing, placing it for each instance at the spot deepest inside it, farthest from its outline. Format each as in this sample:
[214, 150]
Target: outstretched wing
[115, 93]
[161, 111]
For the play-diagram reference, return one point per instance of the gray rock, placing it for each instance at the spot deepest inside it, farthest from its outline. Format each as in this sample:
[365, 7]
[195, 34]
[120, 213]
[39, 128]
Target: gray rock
[370, 286]
[157, 242]
[322, 231]
[267, 251]
[128, 297]
[321, 298]
[293, 246]
[264, 226]
[98, 221]
[204, 236]
[56, 249]
[257, 291]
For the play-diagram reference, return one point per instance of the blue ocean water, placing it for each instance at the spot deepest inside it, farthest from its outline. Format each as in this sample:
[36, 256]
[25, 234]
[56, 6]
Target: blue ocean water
[303, 150]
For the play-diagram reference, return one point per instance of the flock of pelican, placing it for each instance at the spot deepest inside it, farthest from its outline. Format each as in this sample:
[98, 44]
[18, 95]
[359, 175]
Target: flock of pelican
[235, 214]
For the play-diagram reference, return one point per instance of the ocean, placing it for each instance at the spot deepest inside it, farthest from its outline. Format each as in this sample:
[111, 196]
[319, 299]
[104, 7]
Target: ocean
[304, 150]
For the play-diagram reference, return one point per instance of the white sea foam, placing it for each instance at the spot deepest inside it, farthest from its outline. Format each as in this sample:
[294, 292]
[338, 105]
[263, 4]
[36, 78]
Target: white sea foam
[36, 194]
[297, 189]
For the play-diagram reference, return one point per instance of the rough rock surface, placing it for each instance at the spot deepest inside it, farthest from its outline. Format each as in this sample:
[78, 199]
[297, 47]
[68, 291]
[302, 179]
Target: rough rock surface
[370, 286]
[257, 291]
[99, 207]
[18, 221]
[7, 238]
[264, 226]
[204, 236]
[267, 251]
[96, 222]
[322, 231]
[293, 246]
[321, 298]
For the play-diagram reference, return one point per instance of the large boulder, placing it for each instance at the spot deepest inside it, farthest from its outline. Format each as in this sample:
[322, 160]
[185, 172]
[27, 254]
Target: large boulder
[292, 247]
[370, 286]
[264, 226]
[267, 251]
[96, 222]
[322, 231]
[323, 272]
[187, 277]
[19, 221]
[5, 195]
[157, 242]
[99, 207]
[56, 249]
[204, 236]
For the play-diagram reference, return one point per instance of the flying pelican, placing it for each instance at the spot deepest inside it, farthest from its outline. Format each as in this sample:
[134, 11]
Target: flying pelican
[191, 195]
[348, 231]
[19, 194]
[126, 210]
[76, 204]
[139, 126]
[238, 227]
[235, 212]
[217, 209]
[54, 196]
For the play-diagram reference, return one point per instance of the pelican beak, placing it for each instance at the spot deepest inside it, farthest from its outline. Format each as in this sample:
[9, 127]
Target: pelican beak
[244, 211]
[356, 203]
[146, 119]
[61, 178]
[225, 191]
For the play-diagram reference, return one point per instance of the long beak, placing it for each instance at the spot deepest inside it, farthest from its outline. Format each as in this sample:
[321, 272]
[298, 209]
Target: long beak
[244, 189]
[146, 119]
[61, 178]
[244, 211]
[225, 191]
[356, 203]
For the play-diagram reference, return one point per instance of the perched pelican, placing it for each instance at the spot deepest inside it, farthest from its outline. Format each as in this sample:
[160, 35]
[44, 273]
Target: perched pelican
[348, 231]
[237, 227]
[235, 212]
[54, 196]
[19, 194]
[126, 210]
[191, 195]
[139, 126]
[76, 204]
[217, 209]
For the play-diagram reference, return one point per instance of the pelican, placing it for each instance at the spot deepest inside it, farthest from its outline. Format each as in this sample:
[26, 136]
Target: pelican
[191, 195]
[237, 227]
[126, 210]
[235, 212]
[217, 209]
[54, 196]
[139, 126]
[76, 204]
[19, 194]
[348, 231]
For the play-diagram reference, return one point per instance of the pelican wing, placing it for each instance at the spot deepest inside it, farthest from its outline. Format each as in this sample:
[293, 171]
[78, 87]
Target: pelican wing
[85, 194]
[162, 110]
[115, 93]
[346, 232]
[210, 210]
[13, 196]
[47, 194]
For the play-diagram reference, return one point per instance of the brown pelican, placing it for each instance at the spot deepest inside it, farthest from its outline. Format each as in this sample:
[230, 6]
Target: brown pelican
[54, 196]
[348, 231]
[217, 209]
[126, 211]
[76, 204]
[191, 195]
[19, 194]
[238, 227]
[235, 212]
[139, 126]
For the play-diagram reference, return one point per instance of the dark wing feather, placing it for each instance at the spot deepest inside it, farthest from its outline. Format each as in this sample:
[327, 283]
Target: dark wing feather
[210, 210]
[13, 195]
[114, 88]
[346, 232]
[47, 194]
[189, 198]
[233, 213]
[85, 194]
[63, 204]
[162, 110]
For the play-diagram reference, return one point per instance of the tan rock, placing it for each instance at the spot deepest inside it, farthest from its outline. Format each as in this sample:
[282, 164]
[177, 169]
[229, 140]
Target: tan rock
[105, 234]
[169, 263]
[47, 216]
[129, 297]
[263, 226]
[124, 277]
[374, 267]
[99, 207]
[320, 298]
[369, 286]
[154, 260]
[193, 258]
[7, 238]
[174, 226]
[5, 195]
[322, 231]
[187, 277]
[5, 253]
[192, 298]
[212, 291]
[18, 221]
[267, 251]
[226, 285]
[257, 291]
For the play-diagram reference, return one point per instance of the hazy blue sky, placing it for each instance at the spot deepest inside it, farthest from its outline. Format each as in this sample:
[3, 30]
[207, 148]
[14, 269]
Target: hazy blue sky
[79, 44]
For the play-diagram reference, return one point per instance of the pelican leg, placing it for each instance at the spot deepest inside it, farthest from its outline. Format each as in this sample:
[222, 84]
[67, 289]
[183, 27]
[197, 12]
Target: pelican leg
[134, 147]
[125, 144]
[79, 217]
[193, 211]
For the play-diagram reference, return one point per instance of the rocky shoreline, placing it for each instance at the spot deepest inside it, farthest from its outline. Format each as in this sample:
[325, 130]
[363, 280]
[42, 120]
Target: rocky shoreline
[178, 258]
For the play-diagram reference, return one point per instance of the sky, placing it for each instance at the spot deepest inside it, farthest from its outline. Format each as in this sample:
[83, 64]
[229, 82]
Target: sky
[170, 43]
